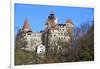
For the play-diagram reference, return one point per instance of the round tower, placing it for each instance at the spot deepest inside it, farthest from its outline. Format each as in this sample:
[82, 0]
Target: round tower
[52, 21]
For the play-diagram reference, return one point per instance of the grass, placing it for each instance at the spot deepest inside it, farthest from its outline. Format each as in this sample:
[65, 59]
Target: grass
[23, 57]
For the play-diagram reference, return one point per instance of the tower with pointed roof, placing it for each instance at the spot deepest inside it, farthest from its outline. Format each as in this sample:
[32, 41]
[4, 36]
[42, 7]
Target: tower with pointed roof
[52, 21]
[26, 26]
[69, 25]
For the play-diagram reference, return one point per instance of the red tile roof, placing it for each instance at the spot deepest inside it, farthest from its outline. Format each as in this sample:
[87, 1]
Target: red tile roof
[26, 25]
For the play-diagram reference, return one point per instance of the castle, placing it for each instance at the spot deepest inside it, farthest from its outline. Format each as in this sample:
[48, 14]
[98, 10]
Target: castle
[53, 39]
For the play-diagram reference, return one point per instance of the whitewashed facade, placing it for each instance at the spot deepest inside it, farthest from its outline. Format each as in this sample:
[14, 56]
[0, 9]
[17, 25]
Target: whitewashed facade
[34, 40]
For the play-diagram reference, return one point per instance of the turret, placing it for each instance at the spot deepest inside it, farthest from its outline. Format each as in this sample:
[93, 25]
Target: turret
[69, 26]
[26, 26]
[52, 21]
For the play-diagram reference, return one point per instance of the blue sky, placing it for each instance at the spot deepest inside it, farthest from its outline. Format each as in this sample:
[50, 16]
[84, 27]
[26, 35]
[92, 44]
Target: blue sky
[38, 14]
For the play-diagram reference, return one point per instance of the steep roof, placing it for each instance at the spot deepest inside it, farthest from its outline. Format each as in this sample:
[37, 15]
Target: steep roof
[61, 24]
[69, 21]
[26, 25]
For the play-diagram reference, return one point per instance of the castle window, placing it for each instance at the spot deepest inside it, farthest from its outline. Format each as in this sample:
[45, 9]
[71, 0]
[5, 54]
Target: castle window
[63, 29]
[59, 48]
[59, 38]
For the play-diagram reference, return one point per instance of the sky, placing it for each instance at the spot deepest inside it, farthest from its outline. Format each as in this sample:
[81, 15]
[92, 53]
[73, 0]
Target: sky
[38, 14]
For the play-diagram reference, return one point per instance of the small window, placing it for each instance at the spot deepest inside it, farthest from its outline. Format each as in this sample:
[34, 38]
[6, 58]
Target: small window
[59, 38]
[59, 48]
